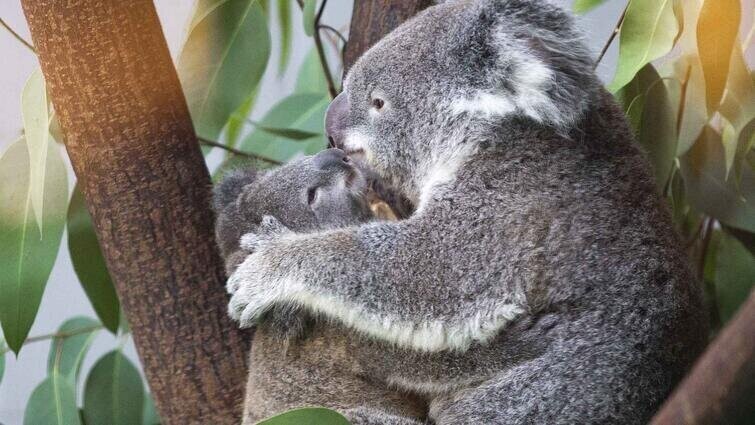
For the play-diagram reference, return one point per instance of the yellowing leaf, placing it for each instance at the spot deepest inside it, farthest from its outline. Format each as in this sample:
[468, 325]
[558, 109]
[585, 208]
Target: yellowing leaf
[584, 6]
[36, 123]
[738, 106]
[222, 61]
[26, 255]
[717, 29]
[647, 33]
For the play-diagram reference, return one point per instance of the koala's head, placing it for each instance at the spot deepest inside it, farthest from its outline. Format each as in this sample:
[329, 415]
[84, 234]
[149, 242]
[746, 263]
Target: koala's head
[312, 193]
[444, 80]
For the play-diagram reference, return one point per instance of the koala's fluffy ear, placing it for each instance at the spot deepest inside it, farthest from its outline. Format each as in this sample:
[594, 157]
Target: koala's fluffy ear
[540, 66]
[231, 185]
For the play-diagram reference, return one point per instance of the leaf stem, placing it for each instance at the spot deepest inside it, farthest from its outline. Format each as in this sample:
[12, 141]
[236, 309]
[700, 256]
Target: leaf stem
[321, 52]
[18, 37]
[236, 151]
[614, 33]
[55, 335]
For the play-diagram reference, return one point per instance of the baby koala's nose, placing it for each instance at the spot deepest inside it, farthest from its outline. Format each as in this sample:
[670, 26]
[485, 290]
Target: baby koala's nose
[331, 158]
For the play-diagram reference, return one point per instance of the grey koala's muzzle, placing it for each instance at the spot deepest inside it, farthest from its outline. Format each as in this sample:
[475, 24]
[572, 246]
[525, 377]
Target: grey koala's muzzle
[335, 120]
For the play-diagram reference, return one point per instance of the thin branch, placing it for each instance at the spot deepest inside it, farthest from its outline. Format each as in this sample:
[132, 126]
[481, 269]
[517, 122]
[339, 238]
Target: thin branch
[614, 33]
[334, 31]
[321, 52]
[236, 151]
[56, 335]
[18, 37]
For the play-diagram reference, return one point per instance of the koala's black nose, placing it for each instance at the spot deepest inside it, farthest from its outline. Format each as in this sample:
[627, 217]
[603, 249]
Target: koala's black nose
[335, 120]
[331, 158]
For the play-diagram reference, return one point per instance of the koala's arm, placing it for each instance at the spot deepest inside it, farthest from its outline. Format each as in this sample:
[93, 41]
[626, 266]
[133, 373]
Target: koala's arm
[390, 280]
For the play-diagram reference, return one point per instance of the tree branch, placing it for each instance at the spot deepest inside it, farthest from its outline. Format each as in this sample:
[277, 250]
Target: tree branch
[234, 151]
[614, 33]
[332, 90]
[44, 337]
[18, 37]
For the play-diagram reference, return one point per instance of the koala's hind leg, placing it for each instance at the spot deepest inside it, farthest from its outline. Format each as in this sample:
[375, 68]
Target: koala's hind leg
[367, 416]
[319, 369]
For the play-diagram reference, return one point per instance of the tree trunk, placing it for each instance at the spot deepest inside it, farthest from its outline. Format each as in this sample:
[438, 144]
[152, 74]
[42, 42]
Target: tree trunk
[130, 139]
[721, 386]
[373, 19]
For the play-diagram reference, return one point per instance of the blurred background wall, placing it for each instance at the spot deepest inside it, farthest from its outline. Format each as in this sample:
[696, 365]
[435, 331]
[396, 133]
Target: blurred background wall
[63, 296]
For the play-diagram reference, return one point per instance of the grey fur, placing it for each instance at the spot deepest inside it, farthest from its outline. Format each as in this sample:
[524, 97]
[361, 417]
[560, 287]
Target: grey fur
[297, 360]
[540, 279]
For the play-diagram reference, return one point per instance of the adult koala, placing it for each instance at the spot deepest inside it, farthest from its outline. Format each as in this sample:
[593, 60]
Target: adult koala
[538, 227]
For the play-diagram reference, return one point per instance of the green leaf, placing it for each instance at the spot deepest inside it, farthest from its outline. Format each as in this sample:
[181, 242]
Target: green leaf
[311, 78]
[26, 255]
[308, 16]
[708, 190]
[114, 393]
[717, 28]
[647, 33]
[307, 416]
[584, 6]
[288, 133]
[284, 23]
[89, 264]
[149, 413]
[2, 358]
[304, 112]
[735, 269]
[36, 123]
[738, 106]
[236, 121]
[66, 354]
[652, 112]
[53, 402]
[222, 61]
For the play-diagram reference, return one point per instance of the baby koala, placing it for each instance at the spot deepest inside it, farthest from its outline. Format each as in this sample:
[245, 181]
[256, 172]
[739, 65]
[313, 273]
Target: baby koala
[298, 360]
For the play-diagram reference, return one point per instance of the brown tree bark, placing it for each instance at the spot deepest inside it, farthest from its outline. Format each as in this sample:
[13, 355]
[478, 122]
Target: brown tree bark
[720, 389]
[373, 19]
[130, 139]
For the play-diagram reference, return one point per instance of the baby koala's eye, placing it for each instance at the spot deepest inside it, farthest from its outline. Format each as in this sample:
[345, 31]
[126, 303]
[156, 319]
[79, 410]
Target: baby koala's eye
[311, 195]
[378, 103]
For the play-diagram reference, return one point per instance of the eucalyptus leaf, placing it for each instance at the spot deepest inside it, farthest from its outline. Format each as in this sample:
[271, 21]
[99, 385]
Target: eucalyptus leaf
[149, 413]
[717, 28]
[2, 358]
[735, 269]
[67, 353]
[307, 416]
[688, 70]
[308, 16]
[647, 33]
[304, 112]
[89, 264]
[236, 121]
[53, 402]
[707, 188]
[738, 106]
[651, 112]
[36, 124]
[26, 255]
[286, 41]
[222, 61]
[288, 133]
[584, 6]
[311, 77]
[114, 393]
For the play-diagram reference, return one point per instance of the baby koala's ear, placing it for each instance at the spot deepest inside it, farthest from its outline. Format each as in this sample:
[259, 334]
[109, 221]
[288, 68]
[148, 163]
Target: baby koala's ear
[229, 188]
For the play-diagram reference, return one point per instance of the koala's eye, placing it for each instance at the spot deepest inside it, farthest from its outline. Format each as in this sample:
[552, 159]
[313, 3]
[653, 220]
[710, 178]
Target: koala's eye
[311, 195]
[378, 103]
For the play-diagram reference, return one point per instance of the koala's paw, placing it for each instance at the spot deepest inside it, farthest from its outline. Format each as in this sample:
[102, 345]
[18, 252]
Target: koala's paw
[253, 291]
[268, 230]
